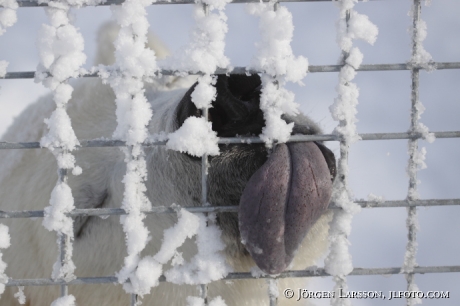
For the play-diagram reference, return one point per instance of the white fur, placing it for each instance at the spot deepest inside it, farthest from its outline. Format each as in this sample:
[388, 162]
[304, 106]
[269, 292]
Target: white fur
[28, 176]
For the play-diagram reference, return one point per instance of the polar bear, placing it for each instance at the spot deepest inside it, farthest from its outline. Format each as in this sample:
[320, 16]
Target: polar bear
[27, 178]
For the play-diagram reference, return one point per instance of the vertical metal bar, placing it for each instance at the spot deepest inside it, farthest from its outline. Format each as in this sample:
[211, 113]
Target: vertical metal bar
[204, 179]
[134, 299]
[204, 293]
[273, 291]
[62, 238]
[413, 147]
[204, 169]
[273, 283]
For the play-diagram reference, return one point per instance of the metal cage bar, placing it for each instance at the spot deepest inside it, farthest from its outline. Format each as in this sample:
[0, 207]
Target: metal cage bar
[316, 272]
[36, 3]
[413, 148]
[244, 70]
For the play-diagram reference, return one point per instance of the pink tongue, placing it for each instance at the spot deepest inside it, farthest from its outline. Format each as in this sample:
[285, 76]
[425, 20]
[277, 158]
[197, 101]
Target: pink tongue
[280, 203]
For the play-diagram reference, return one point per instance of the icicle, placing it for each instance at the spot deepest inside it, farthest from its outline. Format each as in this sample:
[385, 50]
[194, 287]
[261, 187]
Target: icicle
[351, 25]
[278, 64]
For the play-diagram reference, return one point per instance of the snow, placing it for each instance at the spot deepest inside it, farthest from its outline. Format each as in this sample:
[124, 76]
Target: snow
[3, 66]
[205, 51]
[197, 301]
[414, 300]
[60, 47]
[278, 64]
[61, 202]
[68, 300]
[420, 127]
[20, 295]
[338, 262]
[256, 272]
[204, 92]
[186, 227]
[375, 198]
[145, 277]
[134, 64]
[273, 292]
[4, 237]
[4, 244]
[420, 57]
[8, 15]
[194, 137]
[208, 264]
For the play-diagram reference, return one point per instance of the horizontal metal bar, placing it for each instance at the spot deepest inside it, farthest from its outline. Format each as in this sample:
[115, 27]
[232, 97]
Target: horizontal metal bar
[100, 143]
[35, 3]
[117, 211]
[386, 67]
[244, 70]
[405, 203]
[317, 272]
[100, 212]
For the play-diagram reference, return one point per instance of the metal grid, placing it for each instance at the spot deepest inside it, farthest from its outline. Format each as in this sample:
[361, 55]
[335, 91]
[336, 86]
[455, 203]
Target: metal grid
[409, 202]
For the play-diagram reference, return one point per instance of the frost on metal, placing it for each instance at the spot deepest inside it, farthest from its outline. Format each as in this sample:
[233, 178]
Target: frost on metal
[205, 50]
[8, 18]
[20, 296]
[3, 66]
[68, 300]
[350, 26]
[60, 47]
[418, 30]
[195, 137]
[209, 263]
[420, 57]
[8, 15]
[4, 244]
[204, 53]
[134, 63]
[279, 65]
[197, 301]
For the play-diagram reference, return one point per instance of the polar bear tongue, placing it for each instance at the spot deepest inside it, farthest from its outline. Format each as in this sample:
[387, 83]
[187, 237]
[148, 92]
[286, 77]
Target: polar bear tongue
[280, 203]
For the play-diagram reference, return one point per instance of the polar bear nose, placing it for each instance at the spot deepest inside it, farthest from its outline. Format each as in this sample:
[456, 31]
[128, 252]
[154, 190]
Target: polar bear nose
[236, 108]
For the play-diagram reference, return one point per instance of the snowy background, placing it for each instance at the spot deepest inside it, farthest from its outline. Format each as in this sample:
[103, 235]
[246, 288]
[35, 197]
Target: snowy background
[378, 236]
